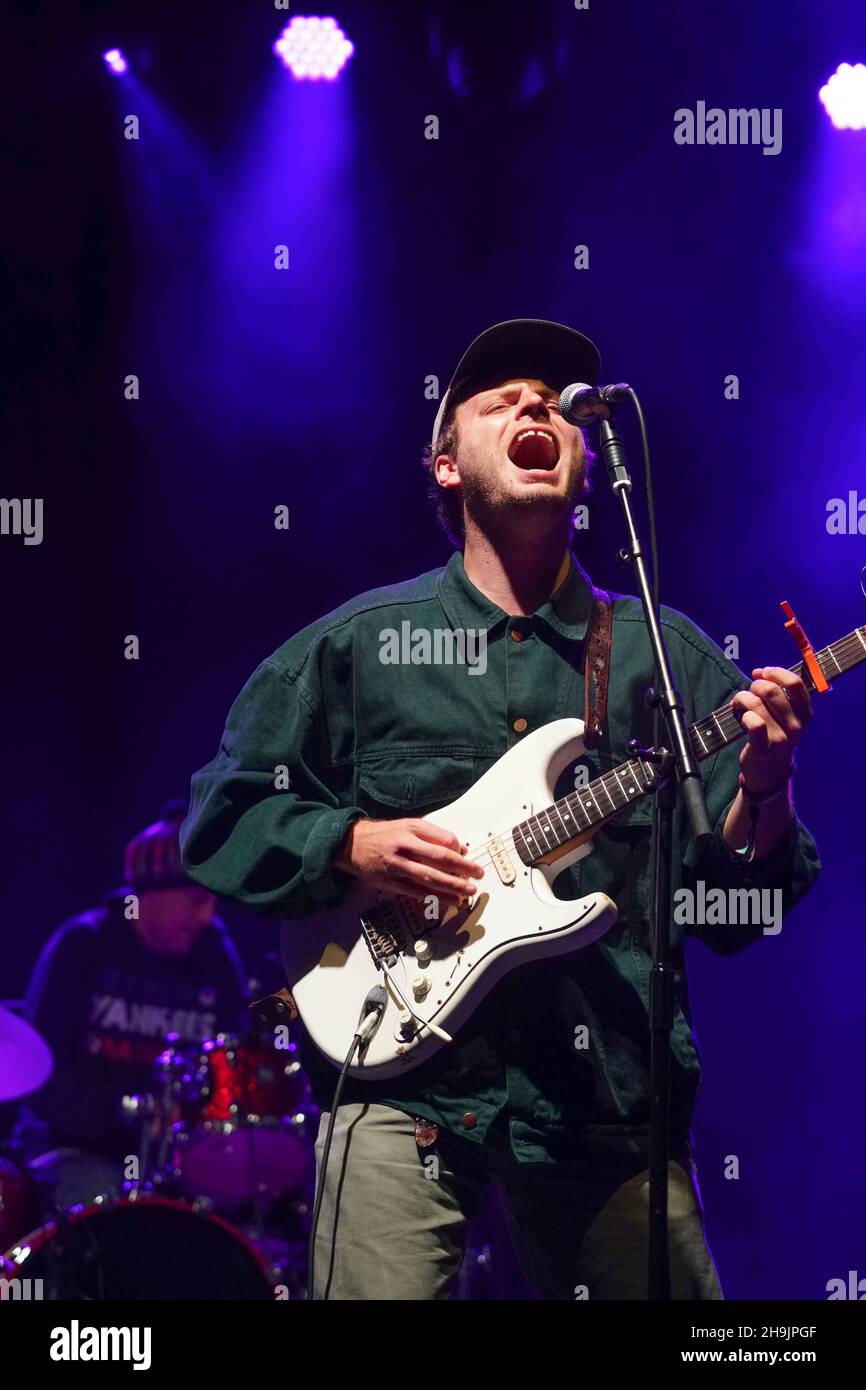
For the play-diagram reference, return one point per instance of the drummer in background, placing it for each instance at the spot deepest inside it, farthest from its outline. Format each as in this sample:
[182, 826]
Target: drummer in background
[112, 983]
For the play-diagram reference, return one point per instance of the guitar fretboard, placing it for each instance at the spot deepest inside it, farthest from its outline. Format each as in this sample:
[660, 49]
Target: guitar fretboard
[589, 807]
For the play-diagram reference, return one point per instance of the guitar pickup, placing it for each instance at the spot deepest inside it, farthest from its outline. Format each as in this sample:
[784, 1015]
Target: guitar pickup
[501, 861]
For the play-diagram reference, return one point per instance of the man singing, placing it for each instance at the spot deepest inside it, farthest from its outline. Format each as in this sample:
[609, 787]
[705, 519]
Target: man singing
[546, 1087]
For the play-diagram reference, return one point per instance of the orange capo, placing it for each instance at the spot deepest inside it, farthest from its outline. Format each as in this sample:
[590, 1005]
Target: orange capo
[819, 679]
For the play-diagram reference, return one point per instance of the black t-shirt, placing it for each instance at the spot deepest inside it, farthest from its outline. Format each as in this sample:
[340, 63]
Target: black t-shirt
[105, 1002]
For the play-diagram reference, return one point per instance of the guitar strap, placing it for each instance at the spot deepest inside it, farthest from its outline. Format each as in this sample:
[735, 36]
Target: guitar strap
[599, 635]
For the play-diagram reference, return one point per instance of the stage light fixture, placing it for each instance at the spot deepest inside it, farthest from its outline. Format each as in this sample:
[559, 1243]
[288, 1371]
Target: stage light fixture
[115, 62]
[313, 47]
[843, 97]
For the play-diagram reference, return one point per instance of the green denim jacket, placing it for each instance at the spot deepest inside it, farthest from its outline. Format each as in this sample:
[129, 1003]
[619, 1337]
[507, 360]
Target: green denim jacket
[362, 734]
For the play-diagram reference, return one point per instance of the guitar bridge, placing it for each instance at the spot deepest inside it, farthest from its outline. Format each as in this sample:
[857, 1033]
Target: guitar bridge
[384, 933]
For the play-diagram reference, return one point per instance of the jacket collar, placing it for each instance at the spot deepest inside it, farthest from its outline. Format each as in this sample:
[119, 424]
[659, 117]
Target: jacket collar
[566, 611]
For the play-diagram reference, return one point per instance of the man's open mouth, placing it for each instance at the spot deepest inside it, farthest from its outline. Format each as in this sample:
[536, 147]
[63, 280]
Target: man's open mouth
[534, 448]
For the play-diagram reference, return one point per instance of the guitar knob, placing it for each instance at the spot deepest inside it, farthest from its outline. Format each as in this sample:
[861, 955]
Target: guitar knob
[423, 951]
[421, 986]
[406, 1024]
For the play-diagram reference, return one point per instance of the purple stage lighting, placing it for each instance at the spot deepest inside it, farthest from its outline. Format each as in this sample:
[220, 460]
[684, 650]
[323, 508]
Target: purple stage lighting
[312, 47]
[115, 62]
[844, 97]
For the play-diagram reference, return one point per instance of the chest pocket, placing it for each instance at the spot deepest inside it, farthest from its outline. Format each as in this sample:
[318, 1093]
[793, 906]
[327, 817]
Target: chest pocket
[392, 786]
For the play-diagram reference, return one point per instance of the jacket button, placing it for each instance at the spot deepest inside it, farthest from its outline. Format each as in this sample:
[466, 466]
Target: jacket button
[519, 725]
[470, 1120]
[516, 635]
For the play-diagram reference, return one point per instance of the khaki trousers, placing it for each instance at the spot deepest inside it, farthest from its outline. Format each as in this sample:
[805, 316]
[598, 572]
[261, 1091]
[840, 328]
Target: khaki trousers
[395, 1216]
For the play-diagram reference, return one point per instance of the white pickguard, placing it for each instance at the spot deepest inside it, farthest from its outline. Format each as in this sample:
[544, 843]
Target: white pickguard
[330, 967]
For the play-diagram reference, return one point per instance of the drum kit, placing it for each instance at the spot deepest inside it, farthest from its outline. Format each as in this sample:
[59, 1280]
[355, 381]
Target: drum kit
[212, 1202]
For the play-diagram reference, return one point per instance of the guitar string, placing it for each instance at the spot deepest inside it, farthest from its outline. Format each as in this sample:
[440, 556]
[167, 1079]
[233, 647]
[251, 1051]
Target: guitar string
[610, 779]
[721, 720]
[604, 784]
[482, 854]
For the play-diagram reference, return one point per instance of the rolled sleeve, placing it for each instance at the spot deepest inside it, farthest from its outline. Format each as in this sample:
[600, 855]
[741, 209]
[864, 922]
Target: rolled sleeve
[327, 884]
[790, 868]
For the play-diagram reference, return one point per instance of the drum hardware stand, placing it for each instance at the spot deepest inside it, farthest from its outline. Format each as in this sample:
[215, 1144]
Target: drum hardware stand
[142, 1108]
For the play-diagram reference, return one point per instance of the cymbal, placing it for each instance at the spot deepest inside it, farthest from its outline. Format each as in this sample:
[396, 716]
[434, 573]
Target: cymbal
[25, 1058]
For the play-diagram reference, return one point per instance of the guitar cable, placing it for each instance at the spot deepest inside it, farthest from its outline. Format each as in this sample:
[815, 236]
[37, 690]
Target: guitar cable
[371, 1014]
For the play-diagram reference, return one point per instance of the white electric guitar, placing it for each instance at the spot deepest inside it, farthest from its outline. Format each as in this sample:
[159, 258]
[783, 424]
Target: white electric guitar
[435, 971]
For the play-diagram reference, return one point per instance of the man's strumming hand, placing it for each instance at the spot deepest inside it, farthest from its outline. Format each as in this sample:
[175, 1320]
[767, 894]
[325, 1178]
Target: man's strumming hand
[409, 856]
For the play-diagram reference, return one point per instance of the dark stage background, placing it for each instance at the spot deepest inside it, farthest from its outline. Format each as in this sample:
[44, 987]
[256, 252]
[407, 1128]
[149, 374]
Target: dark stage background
[306, 387]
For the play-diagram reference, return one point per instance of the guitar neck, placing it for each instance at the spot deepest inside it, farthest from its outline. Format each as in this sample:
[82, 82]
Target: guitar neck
[722, 726]
[587, 808]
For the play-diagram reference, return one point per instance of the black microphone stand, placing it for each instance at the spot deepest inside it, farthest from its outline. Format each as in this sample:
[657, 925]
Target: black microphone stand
[678, 756]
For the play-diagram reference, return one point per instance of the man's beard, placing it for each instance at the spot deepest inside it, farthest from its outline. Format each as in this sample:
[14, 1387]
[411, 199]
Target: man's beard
[491, 506]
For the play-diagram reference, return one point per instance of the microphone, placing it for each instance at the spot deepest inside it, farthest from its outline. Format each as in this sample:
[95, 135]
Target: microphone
[581, 404]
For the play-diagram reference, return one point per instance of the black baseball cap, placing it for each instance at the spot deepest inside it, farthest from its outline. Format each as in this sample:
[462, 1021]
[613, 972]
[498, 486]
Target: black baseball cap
[549, 352]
